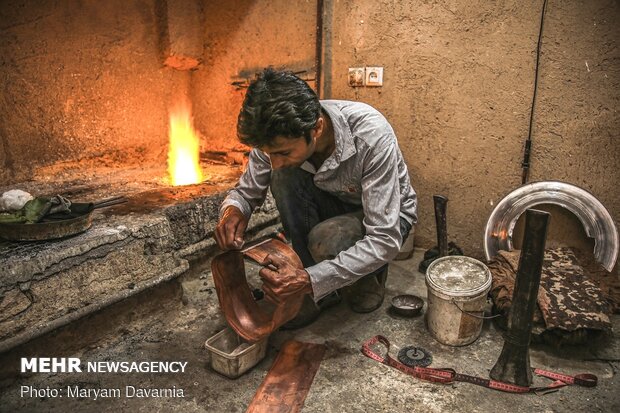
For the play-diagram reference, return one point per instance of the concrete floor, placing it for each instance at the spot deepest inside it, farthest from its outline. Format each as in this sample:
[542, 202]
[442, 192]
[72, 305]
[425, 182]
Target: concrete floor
[172, 322]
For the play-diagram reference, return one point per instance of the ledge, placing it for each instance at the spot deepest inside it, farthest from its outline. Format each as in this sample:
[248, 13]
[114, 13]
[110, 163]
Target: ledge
[129, 248]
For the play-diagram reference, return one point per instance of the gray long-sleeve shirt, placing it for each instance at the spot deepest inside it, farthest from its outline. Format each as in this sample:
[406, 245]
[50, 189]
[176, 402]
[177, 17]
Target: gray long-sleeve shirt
[366, 169]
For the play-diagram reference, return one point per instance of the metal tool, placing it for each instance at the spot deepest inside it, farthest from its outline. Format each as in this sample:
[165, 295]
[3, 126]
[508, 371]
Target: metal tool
[513, 365]
[443, 247]
[255, 244]
[441, 223]
[415, 356]
[259, 242]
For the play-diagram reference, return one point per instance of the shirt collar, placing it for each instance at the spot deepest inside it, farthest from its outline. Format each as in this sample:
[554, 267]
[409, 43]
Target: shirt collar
[345, 147]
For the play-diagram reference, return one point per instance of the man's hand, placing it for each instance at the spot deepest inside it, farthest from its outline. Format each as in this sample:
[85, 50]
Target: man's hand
[281, 279]
[229, 231]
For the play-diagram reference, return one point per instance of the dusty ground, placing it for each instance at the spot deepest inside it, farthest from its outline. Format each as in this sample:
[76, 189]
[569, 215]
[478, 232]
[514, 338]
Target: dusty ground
[173, 321]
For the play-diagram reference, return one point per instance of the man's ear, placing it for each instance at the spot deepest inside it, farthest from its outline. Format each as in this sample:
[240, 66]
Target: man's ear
[320, 126]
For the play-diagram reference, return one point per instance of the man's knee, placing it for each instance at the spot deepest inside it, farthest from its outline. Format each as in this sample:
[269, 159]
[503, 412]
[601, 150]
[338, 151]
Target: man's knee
[328, 238]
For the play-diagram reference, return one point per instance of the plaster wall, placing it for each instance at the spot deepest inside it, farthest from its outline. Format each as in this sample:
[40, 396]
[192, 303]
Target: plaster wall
[86, 80]
[458, 83]
[80, 80]
[241, 39]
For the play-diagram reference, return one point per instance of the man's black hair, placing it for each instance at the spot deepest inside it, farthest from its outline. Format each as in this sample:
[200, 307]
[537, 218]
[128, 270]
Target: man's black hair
[277, 103]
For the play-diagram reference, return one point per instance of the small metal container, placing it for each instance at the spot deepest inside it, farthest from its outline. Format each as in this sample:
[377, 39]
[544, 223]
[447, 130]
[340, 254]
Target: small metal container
[407, 305]
[231, 355]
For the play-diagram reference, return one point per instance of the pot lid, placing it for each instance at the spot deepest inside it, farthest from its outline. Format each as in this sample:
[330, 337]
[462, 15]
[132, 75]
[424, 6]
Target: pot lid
[458, 275]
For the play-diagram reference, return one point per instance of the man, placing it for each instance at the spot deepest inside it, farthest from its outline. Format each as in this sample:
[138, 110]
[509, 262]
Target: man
[341, 187]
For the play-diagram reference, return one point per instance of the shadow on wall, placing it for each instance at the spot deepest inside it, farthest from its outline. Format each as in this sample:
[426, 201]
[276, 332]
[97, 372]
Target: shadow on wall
[565, 230]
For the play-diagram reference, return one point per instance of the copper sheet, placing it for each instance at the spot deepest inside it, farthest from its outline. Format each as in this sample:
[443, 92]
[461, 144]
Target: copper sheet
[288, 381]
[236, 301]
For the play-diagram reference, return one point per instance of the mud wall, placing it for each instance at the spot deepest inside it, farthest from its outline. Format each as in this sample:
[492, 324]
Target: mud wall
[88, 79]
[80, 79]
[85, 79]
[458, 82]
[241, 39]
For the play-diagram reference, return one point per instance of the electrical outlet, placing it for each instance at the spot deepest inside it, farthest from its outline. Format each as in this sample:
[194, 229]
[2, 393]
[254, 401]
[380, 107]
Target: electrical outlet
[374, 76]
[356, 76]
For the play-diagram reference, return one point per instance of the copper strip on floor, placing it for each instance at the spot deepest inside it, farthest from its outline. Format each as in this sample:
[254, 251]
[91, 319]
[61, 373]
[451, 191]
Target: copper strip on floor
[287, 383]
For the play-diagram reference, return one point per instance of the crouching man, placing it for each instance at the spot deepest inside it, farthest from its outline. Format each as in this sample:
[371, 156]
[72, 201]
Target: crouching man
[341, 187]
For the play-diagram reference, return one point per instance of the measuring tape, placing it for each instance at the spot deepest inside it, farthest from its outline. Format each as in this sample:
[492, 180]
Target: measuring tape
[447, 375]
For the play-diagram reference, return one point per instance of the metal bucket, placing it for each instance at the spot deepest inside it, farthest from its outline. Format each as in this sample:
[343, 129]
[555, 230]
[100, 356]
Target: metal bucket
[457, 286]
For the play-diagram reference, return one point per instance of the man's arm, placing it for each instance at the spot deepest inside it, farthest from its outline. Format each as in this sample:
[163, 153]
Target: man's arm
[238, 205]
[381, 205]
[251, 189]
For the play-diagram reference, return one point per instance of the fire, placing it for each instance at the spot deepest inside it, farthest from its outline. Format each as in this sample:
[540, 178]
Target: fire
[184, 151]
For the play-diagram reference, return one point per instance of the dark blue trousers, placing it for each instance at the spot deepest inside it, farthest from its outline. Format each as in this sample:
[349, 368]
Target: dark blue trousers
[302, 206]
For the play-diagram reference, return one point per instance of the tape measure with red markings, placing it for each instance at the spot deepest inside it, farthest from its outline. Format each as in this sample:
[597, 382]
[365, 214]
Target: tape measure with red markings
[448, 375]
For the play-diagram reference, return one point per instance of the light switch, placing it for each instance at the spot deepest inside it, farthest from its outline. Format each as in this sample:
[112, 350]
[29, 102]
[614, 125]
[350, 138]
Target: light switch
[356, 76]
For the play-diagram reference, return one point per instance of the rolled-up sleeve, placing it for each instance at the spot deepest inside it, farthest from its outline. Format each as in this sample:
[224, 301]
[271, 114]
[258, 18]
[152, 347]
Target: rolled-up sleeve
[381, 205]
[251, 189]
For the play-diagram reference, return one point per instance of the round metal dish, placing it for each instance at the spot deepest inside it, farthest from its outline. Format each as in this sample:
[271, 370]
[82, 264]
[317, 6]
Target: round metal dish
[52, 227]
[407, 305]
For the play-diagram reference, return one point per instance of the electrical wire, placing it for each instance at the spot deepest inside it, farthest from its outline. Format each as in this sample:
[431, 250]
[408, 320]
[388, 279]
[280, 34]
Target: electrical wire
[528, 143]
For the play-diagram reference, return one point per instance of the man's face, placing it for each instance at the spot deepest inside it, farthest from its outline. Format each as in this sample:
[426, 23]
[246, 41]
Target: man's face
[289, 152]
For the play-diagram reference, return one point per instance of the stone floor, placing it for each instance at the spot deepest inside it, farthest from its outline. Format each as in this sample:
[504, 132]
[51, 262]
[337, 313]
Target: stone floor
[172, 322]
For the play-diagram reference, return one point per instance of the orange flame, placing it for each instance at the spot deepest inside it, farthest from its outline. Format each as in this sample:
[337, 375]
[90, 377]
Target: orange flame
[184, 151]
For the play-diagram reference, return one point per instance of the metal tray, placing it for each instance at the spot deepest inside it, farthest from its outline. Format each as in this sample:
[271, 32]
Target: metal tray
[232, 356]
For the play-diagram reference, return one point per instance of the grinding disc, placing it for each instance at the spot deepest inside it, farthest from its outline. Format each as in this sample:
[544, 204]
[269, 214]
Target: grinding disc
[415, 356]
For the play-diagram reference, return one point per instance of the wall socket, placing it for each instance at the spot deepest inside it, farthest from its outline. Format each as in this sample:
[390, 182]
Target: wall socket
[374, 76]
[357, 76]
